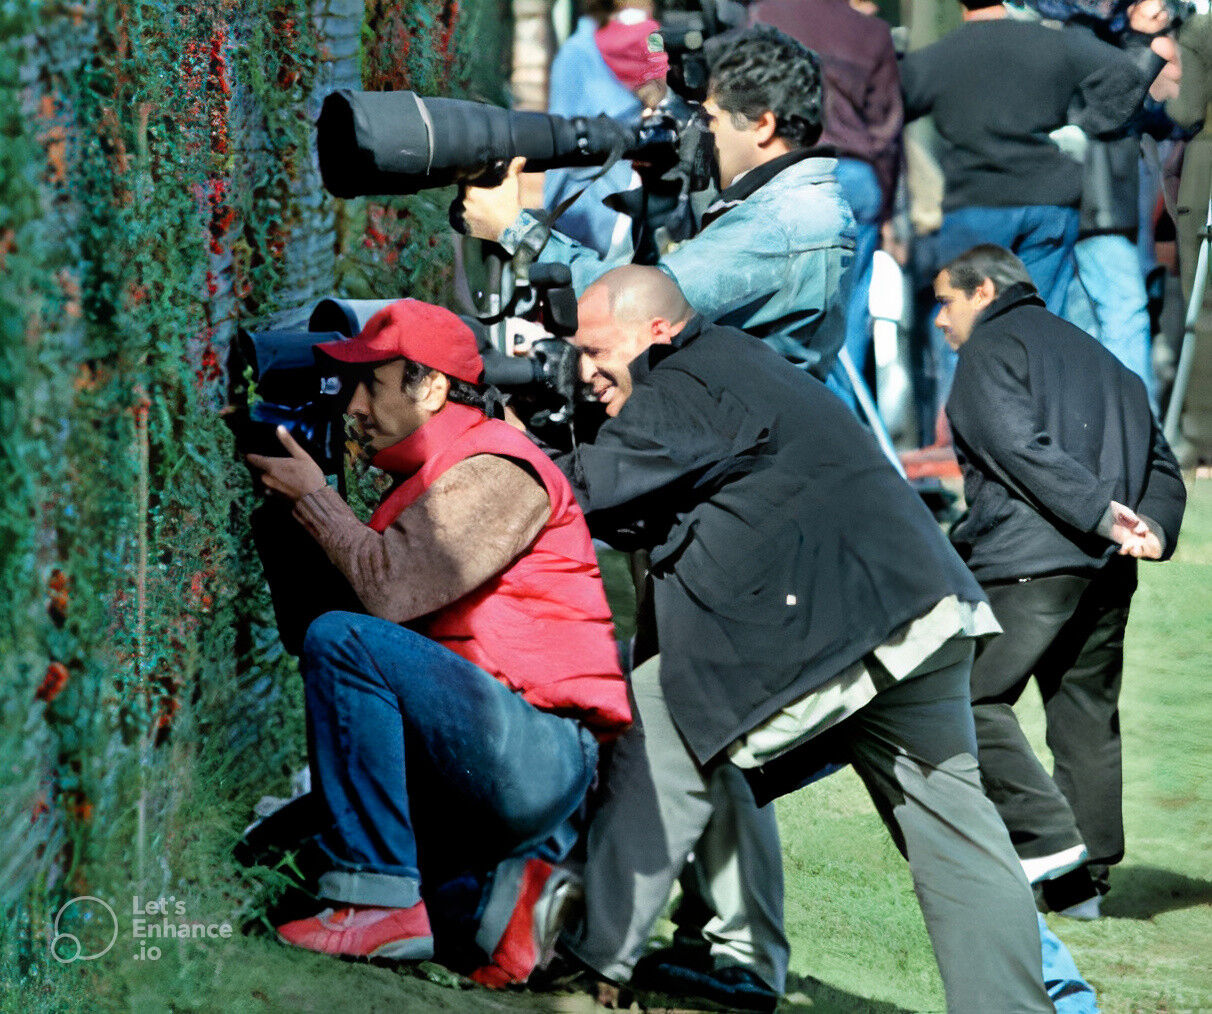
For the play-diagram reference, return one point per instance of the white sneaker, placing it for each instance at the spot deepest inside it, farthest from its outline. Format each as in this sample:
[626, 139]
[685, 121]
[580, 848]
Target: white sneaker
[1050, 867]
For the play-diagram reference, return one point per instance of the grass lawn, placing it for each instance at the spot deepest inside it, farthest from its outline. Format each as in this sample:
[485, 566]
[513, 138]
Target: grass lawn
[858, 942]
[851, 913]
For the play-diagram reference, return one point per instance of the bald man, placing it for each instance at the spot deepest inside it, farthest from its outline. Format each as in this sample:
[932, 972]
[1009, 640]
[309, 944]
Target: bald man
[810, 614]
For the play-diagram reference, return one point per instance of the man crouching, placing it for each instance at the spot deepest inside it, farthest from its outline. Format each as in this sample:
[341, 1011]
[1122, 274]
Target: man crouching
[453, 725]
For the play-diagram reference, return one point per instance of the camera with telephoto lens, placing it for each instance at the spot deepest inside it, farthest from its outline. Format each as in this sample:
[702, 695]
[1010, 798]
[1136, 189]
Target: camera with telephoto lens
[400, 143]
[276, 378]
[382, 143]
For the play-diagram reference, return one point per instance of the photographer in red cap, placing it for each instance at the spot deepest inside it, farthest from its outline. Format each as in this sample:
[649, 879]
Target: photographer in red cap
[453, 724]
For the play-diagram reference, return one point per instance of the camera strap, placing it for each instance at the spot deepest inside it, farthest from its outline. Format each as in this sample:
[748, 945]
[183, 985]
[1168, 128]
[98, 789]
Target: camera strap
[536, 238]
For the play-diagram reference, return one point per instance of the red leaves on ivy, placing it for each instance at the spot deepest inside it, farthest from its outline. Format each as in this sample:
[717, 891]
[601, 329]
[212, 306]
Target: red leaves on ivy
[53, 682]
[140, 410]
[39, 808]
[79, 806]
[448, 18]
[69, 285]
[58, 599]
[288, 45]
[54, 138]
[209, 369]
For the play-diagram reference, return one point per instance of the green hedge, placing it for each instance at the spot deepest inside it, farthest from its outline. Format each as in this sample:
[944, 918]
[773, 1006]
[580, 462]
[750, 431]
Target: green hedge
[157, 190]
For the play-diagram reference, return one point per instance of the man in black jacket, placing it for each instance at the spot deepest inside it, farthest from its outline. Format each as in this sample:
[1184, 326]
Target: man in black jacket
[810, 613]
[1068, 480]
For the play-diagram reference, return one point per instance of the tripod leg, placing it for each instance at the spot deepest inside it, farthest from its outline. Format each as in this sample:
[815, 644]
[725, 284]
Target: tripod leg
[1186, 358]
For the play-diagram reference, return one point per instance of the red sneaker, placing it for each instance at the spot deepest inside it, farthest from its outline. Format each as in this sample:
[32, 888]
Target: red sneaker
[361, 931]
[544, 897]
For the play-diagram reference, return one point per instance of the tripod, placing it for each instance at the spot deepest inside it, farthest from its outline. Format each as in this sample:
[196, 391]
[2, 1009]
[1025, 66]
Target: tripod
[1186, 357]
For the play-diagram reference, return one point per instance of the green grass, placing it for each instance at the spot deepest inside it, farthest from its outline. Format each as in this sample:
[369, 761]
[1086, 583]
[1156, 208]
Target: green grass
[858, 942]
[851, 914]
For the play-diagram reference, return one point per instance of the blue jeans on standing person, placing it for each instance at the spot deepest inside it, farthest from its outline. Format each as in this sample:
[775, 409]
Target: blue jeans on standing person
[1068, 991]
[426, 762]
[861, 188]
[1108, 299]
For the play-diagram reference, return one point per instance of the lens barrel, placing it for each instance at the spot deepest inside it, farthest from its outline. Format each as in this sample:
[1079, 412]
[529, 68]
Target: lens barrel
[379, 143]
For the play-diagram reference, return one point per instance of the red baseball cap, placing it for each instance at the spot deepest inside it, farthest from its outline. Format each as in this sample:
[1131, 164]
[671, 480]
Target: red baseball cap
[426, 334]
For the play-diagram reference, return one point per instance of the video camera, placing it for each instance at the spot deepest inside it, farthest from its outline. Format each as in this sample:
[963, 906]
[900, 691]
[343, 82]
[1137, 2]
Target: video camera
[685, 34]
[277, 379]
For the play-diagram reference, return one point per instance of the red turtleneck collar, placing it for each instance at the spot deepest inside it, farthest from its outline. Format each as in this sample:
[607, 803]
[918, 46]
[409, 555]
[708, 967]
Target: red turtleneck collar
[438, 432]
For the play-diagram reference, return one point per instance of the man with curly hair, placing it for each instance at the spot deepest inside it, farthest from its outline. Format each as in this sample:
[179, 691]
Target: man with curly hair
[772, 257]
[775, 247]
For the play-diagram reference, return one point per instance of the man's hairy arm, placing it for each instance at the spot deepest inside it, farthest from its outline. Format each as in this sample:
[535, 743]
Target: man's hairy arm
[475, 520]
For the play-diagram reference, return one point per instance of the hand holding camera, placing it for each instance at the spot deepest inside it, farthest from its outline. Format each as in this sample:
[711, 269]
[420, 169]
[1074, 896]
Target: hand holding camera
[293, 476]
[486, 212]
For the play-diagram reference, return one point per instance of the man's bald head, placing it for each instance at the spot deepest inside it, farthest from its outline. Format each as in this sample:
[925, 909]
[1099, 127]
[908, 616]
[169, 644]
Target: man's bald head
[619, 317]
[636, 293]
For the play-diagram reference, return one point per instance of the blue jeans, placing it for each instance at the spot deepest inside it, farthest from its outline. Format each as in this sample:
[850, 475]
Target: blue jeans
[1108, 300]
[1041, 236]
[1069, 992]
[424, 761]
[862, 191]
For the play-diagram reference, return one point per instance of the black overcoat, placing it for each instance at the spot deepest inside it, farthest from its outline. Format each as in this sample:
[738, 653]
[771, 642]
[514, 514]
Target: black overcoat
[1049, 428]
[784, 546]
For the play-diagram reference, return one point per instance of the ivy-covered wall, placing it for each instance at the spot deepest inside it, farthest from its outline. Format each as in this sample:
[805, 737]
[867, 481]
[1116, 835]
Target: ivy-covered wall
[158, 190]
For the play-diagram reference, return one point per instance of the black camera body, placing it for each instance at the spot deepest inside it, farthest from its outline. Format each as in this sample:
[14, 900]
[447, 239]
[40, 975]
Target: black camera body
[686, 34]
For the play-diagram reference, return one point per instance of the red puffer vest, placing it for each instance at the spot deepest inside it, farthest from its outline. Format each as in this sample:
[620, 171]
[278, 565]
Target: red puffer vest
[541, 626]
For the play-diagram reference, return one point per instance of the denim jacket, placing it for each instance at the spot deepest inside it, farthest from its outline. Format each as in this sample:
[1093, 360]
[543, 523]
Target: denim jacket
[775, 263]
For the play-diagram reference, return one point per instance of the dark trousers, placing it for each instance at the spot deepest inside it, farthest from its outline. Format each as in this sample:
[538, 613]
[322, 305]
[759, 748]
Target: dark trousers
[1068, 632]
[913, 746]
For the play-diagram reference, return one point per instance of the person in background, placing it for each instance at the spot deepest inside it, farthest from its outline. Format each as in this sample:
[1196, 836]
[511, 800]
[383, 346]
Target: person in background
[1108, 298]
[604, 67]
[1191, 106]
[996, 87]
[1068, 481]
[862, 123]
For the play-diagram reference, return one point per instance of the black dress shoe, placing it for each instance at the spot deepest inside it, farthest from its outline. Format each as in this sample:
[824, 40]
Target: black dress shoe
[732, 988]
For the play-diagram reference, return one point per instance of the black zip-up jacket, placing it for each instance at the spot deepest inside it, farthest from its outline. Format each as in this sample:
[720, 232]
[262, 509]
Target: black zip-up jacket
[784, 547]
[1049, 428]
